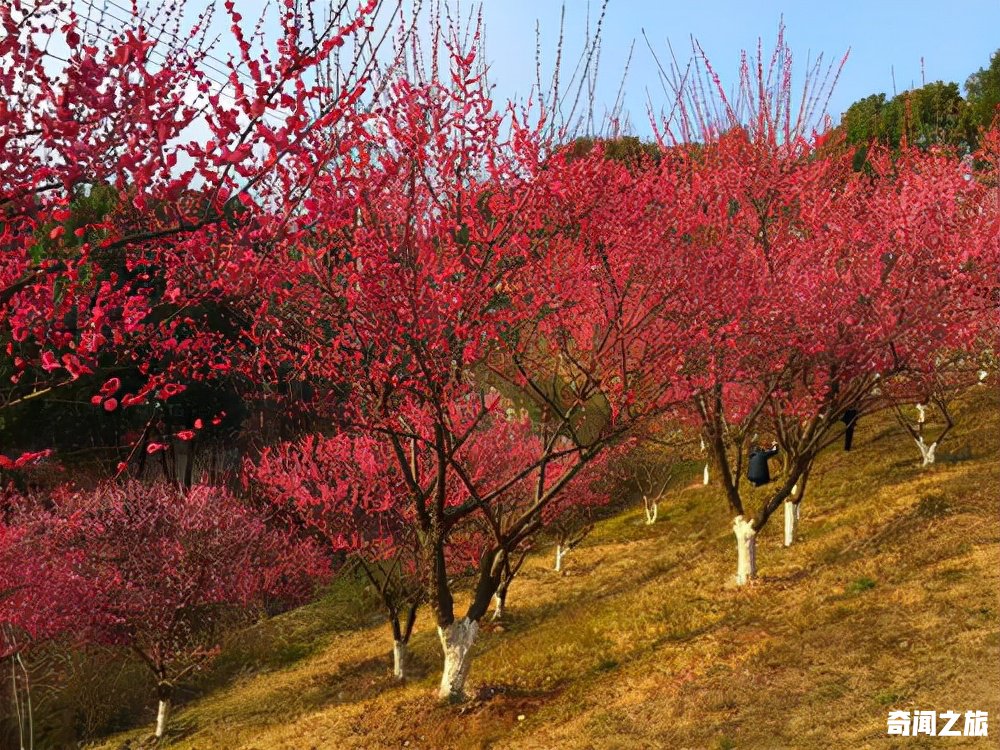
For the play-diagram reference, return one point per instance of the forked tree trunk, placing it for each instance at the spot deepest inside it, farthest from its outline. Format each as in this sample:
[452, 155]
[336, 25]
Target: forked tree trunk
[651, 507]
[511, 567]
[927, 451]
[456, 642]
[791, 521]
[746, 551]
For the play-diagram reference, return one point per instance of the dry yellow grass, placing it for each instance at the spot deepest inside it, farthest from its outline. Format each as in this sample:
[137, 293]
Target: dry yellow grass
[889, 601]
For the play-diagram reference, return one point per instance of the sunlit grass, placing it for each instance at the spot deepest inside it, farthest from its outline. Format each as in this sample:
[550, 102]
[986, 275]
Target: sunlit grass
[889, 600]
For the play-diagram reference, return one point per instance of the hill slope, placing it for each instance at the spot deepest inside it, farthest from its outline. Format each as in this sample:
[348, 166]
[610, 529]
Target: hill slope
[889, 601]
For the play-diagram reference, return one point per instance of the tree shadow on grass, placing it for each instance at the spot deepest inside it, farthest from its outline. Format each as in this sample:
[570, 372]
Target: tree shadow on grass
[520, 619]
[349, 683]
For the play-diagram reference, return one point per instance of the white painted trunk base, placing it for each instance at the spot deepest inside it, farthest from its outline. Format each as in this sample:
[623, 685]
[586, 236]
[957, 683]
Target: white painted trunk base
[162, 717]
[746, 551]
[704, 478]
[498, 605]
[926, 451]
[560, 554]
[921, 413]
[651, 511]
[456, 642]
[400, 659]
[791, 522]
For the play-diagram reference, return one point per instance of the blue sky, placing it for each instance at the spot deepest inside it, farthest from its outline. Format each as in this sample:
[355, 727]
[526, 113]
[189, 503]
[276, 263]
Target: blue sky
[884, 36]
[953, 38]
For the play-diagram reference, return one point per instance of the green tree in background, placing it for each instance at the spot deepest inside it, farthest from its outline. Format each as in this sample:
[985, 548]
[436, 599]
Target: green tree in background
[930, 115]
[983, 91]
[934, 114]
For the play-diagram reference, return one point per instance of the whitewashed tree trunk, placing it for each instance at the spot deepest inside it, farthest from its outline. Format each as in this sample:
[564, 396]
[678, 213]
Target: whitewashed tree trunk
[921, 413]
[791, 522]
[456, 641]
[162, 717]
[561, 552]
[982, 376]
[926, 451]
[182, 456]
[746, 550]
[400, 659]
[498, 606]
[704, 479]
[651, 510]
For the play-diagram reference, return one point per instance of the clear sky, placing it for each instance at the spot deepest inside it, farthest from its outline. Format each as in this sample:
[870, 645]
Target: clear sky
[954, 39]
[886, 38]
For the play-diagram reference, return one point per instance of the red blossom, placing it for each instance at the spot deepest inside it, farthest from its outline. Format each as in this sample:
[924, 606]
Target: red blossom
[111, 386]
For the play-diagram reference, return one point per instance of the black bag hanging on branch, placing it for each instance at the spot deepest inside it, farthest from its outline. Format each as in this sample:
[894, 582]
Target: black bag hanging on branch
[758, 473]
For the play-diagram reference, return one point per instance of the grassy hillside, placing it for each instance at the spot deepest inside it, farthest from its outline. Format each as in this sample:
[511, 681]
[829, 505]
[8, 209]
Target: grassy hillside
[890, 600]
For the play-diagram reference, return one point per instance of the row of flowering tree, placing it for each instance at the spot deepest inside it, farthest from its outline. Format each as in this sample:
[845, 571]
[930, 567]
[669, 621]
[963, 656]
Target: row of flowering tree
[472, 314]
[748, 281]
[132, 180]
[810, 289]
[469, 275]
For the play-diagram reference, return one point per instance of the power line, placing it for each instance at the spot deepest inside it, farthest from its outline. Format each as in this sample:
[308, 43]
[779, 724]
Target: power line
[104, 12]
[177, 38]
[112, 32]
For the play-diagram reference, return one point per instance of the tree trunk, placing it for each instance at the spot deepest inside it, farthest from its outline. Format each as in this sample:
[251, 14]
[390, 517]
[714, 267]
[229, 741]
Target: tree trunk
[182, 462]
[456, 642]
[791, 522]
[651, 510]
[499, 602]
[704, 479]
[400, 660]
[560, 554]
[162, 717]
[926, 451]
[746, 551]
